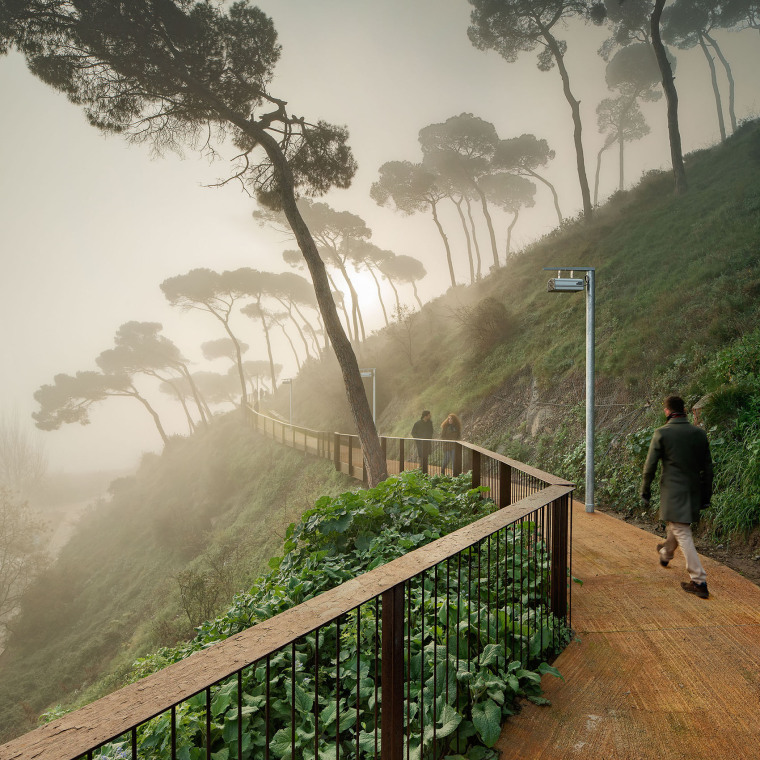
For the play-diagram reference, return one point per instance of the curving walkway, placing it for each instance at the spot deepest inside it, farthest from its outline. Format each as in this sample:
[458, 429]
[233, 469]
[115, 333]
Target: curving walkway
[654, 672]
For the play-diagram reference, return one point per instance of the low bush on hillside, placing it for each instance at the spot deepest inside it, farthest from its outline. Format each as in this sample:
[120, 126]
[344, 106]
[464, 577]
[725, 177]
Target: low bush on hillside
[334, 542]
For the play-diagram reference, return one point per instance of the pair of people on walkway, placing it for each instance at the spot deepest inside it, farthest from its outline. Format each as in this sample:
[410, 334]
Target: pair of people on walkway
[685, 487]
[451, 430]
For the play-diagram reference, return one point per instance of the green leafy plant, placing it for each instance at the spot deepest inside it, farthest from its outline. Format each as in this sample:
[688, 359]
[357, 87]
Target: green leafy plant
[478, 632]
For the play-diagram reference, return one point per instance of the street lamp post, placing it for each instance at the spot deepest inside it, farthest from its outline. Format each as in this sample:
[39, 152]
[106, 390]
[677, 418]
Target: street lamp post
[573, 284]
[372, 372]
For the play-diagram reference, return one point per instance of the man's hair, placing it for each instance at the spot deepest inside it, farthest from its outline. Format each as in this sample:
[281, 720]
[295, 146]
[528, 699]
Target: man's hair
[424, 414]
[675, 404]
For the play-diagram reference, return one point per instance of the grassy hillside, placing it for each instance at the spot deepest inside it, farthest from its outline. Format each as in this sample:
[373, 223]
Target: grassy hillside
[678, 281]
[166, 552]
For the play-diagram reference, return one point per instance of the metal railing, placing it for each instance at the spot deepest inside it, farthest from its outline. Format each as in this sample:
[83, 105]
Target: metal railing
[373, 668]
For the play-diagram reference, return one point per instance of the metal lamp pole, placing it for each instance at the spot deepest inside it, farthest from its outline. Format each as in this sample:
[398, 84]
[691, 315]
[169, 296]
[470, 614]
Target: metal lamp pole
[373, 374]
[569, 285]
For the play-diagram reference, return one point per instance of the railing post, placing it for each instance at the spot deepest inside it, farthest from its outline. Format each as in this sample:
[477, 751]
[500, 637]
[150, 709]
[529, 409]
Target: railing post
[384, 448]
[400, 454]
[457, 459]
[505, 485]
[392, 675]
[350, 456]
[475, 469]
[559, 565]
[336, 450]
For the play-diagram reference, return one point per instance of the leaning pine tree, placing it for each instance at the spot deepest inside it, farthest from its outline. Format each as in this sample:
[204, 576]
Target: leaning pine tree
[178, 72]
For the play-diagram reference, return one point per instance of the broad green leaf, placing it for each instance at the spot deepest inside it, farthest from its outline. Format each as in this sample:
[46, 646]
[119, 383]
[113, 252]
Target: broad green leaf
[304, 702]
[281, 743]
[448, 722]
[546, 668]
[486, 717]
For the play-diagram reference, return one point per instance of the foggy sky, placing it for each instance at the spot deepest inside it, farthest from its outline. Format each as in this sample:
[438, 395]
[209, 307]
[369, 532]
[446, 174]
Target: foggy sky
[92, 226]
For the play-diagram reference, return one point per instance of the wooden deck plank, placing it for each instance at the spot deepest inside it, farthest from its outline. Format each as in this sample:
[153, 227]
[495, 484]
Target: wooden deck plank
[653, 673]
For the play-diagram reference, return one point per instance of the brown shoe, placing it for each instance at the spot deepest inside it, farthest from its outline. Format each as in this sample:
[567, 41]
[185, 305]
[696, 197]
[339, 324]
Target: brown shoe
[663, 562]
[698, 589]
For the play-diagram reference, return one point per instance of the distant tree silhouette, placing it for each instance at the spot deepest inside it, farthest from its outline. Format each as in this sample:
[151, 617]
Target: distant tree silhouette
[740, 14]
[335, 233]
[412, 188]
[688, 23]
[23, 461]
[295, 259]
[510, 192]
[462, 148]
[258, 369]
[293, 292]
[70, 397]
[513, 26]
[523, 155]
[176, 73]
[222, 348]
[256, 310]
[141, 349]
[368, 256]
[205, 290]
[22, 552]
[405, 269]
[630, 23]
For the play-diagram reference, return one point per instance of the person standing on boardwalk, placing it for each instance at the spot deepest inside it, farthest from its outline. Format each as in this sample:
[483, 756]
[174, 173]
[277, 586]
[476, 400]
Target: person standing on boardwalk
[451, 430]
[422, 430]
[685, 487]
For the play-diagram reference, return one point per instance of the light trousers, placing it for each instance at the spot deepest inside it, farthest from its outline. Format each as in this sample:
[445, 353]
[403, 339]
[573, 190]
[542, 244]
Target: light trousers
[679, 534]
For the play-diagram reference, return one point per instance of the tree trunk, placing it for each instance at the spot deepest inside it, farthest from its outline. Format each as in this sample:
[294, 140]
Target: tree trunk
[445, 243]
[345, 310]
[596, 175]
[196, 393]
[272, 373]
[355, 310]
[414, 288]
[479, 272]
[509, 235]
[377, 469]
[466, 235]
[553, 190]
[238, 352]
[152, 412]
[489, 224]
[395, 293]
[621, 144]
[575, 108]
[730, 77]
[671, 95]
[379, 294]
[292, 347]
[716, 89]
[180, 398]
[289, 305]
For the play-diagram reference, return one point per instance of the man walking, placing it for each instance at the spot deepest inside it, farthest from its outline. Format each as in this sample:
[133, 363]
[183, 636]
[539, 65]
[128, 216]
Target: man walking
[685, 487]
[421, 430]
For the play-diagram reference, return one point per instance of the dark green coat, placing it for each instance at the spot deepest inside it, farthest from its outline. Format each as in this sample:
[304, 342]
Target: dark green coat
[686, 479]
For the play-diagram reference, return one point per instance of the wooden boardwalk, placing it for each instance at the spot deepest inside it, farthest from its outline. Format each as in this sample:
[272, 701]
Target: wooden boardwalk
[653, 672]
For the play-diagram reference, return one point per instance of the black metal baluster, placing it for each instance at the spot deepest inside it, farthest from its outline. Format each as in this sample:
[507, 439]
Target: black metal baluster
[240, 714]
[337, 686]
[293, 699]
